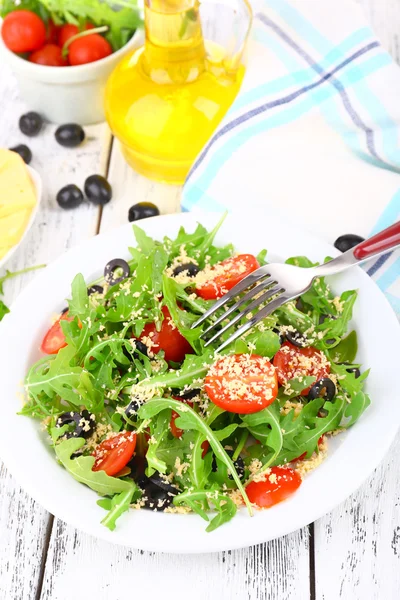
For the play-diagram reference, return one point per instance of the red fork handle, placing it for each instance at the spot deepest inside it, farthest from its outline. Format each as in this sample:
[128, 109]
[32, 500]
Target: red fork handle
[384, 240]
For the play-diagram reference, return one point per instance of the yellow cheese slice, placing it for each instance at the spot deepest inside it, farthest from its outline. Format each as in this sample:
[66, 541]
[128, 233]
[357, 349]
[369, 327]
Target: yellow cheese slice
[13, 226]
[17, 191]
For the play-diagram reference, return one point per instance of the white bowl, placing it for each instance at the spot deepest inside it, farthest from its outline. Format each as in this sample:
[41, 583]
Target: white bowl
[67, 94]
[352, 455]
[37, 182]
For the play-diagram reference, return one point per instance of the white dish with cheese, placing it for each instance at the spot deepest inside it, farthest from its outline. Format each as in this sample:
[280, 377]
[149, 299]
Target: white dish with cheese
[20, 196]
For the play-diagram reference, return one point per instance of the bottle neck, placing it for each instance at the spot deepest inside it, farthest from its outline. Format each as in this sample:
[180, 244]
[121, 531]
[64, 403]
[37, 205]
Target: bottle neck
[174, 47]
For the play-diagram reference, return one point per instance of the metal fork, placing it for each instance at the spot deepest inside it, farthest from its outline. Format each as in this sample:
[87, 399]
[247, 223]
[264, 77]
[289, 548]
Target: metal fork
[277, 284]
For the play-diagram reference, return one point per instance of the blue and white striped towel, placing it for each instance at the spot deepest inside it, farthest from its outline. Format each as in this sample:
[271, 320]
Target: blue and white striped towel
[315, 130]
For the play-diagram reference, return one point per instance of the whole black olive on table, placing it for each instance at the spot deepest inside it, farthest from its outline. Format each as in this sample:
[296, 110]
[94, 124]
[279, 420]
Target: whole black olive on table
[24, 152]
[95, 289]
[85, 424]
[97, 190]
[142, 210]
[31, 123]
[355, 370]
[70, 196]
[324, 388]
[70, 135]
[117, 264]
[238, 464]
[190, 268]
[347, 241]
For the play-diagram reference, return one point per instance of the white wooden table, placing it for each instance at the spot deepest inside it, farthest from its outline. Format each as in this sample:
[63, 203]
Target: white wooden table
[352, 553]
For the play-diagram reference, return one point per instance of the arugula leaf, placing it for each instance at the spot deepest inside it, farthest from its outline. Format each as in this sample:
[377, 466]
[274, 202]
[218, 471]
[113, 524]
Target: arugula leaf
[159, 429]
[193, 367]
[12, 274]
[79, 303]
[346, 350]
[266, 343]
[296, 386]
[272, 435]
[189, 419]
[116, 506]
[225, 507]
[81, 468]
[145, 243]
[353, 411]
[3, 309]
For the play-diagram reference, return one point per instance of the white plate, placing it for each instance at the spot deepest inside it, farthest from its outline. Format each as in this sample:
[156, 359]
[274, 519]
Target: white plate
[37, 182]
[352, 456]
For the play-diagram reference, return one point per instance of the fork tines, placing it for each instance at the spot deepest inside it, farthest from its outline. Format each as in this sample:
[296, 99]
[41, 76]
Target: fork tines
[266, 288]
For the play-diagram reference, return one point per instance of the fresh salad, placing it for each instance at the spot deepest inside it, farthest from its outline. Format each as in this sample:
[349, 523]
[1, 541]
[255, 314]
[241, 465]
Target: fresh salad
[141, 412]
[69, 32]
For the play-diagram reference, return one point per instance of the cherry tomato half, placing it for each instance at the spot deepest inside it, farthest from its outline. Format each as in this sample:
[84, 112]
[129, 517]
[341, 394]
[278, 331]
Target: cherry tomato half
[88, 49]
[23, 31]
[113, 454]
[291, 361]
[225, 275]
[168, 339]
[242, 383]
[54, 339]
[281, 483]
[49, 55]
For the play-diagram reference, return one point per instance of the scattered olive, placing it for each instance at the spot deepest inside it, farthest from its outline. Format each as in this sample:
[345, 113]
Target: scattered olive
[113, 267]
[296, 338]
[30, 124]
[188, 395]
[163, 483]
[238, 464]
[24, 152]
[97, 190]
[347, 241]
[190, 268]
[70, 196]
[70, 135]
[155, 498]
[324, 388]
[280, 334]
[142, 210]
[84, 422]
[95, 289]
[324, 317]
[355, 370]
[133, 407]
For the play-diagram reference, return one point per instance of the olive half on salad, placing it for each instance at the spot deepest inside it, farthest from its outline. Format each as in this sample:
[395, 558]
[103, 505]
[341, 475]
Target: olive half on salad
[140, 411]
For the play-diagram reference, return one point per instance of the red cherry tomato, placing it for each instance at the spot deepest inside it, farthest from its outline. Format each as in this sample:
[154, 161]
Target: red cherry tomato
[54, 339]
[242, 383]
[113, 454]
[302, 456]
[49, 55]
[168, 339]
[88, 49]
[225, 275]
[23, 31]
[291, 361]
[67, 31]
[51, 32]
[281, 483]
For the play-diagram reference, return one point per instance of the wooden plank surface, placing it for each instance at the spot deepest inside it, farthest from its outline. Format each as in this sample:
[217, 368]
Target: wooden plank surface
[357, 547]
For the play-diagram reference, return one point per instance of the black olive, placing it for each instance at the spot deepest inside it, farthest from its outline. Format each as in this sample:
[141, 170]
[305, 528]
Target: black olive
[155, 498]
[97, 190]
[85, 423]
[70, 196]
[355, 370]
[24, 152]
[133, 407]
[324, 388]
[142, 210]
[296, 338]
[70, 135]
[113, 266]
[190, 268]
[345, 242]
[30, 124]
[323, 318]
[163, 483]
[238, 464]
[95, 289]
[140, 347]
[188, 395]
